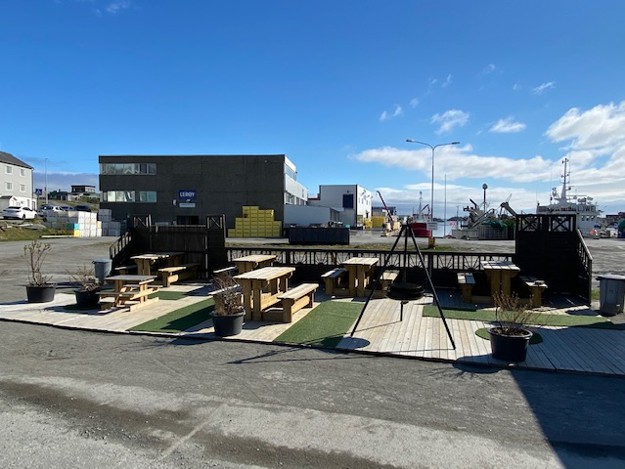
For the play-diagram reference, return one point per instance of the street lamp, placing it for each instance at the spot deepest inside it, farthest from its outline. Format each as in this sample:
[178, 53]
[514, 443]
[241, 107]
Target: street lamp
[433, 147]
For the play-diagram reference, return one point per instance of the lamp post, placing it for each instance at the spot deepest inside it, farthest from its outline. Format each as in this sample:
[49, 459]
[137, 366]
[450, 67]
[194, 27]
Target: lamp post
[432, 147]
[45, 178]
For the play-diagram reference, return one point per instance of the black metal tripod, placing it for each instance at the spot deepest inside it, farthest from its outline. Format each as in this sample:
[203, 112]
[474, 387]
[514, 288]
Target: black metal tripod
[405, 232]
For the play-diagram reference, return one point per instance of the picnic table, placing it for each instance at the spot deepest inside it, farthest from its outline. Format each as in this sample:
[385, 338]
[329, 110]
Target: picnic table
[360, 271]
[146, 261]
[130, 290]
[261, 288]
[500, 274]
[253, 261]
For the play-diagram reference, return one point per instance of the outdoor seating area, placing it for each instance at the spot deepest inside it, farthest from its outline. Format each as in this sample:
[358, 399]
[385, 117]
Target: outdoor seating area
[184, 310]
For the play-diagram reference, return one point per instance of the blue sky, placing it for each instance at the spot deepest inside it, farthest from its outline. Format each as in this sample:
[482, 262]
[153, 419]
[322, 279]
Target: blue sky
[338, 86]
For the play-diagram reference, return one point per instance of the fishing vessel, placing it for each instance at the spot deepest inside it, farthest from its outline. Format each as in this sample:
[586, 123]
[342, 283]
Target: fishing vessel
[561, 203]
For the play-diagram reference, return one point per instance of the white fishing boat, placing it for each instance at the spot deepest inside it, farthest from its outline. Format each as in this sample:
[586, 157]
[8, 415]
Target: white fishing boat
[561, 203]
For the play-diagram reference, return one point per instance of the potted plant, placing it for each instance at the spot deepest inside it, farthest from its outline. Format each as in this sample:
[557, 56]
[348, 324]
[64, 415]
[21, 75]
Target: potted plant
[89, 286]
[39, 288]
[510, 337]
[228, 313]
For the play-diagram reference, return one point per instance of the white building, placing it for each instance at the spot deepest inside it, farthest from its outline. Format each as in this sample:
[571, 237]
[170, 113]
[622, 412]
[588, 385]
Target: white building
[16, 182]
[352, 202]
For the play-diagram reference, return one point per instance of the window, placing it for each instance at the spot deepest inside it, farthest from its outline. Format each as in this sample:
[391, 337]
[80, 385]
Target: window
[9, 186]
[22, 172]
[9, 169]
[119, 196]
[22, 187]
[128, 168]
[147, 196]
[348, 200]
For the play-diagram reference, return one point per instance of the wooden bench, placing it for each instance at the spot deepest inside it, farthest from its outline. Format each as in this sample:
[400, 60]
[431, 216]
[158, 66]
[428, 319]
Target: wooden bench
[387, 277]
[125, 269]
[297, 298]
[178, 272]
[536, 288]
[225, 272]
[333, 278]
[466, 280]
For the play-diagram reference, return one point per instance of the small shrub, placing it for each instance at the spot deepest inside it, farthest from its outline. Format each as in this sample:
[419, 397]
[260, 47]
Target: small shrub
[36, 253]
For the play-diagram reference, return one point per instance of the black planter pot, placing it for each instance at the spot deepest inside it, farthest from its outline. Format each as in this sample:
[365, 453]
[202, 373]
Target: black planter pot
[87, 298]
[40, 294]
[511, 348]
[228, 325]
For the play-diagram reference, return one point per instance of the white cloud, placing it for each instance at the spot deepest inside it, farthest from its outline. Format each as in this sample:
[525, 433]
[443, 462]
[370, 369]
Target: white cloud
[449, 120]
[398, 111]
[447, 81]
[116, 6]
[516, 87]
[540, 89]
[414, 102]
[507, 126]
[490, 68]
[600, 126]
[460, 162]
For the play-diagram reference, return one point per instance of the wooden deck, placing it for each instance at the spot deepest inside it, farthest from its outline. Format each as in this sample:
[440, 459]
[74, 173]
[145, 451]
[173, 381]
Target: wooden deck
[571, 349]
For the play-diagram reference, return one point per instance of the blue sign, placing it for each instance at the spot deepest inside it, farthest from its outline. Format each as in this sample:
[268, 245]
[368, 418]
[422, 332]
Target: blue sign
[187, 195]
[38, 191]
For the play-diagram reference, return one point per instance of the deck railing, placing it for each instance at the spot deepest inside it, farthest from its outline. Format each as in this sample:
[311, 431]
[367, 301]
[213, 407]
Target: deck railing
[453, 260]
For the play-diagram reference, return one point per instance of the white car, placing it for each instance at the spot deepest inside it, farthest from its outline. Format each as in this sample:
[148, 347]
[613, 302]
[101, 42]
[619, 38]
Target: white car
[20, 213]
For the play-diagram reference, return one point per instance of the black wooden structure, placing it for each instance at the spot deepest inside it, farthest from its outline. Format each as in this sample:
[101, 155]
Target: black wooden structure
[550, 247]
[202, 244]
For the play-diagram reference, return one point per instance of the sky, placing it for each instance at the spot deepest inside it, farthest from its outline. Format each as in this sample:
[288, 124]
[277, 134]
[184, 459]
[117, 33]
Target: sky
[336, 85]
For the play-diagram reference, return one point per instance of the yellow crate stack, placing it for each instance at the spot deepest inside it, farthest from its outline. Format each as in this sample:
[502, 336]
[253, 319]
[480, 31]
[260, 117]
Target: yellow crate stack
[377, 221]
[255, 223]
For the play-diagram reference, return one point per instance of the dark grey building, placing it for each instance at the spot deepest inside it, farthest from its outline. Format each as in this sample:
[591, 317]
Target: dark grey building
[184, 189]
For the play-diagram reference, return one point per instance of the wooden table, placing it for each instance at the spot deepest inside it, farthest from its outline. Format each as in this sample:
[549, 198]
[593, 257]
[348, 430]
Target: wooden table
[500, 274]
[146, 261]
[360, 270]
[253, 261]
[261, 288]
[130, 289]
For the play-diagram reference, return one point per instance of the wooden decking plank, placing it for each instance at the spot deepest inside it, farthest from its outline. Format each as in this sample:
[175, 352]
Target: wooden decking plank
[598, 353]
[560, 350]
[410, 318]
[417, 313]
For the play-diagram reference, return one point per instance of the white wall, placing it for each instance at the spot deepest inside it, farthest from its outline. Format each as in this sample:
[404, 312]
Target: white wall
[304, 215]
[332, 196]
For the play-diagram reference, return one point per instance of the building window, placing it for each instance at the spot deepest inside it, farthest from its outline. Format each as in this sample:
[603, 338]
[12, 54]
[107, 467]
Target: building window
[128, 168]
[9, 169]
[9, 186]
[22, 172]
[348, 200]
[147, 196]
[119, 196]
[22, 187]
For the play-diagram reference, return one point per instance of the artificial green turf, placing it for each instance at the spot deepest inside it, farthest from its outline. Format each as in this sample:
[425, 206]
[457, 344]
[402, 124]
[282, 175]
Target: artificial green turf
[540, 319]
[168, 295]
[483, 333]
[181, 319]
[325, 325]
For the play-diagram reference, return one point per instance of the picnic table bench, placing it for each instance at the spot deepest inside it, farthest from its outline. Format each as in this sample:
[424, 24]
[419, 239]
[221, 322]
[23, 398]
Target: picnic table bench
[466, 280]
[225, 272]
[178, 272]
[536, 288]
[387, 277]
[130, 288]
[297, 298]
[333, 279]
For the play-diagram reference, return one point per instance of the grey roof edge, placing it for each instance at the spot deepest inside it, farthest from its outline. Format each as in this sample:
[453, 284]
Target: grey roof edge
[10, 159]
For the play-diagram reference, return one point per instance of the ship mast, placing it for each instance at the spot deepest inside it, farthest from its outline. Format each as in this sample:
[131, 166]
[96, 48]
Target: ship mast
[563, 197]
